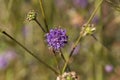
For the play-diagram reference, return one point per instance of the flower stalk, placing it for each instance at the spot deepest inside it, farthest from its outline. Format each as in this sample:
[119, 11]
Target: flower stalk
[80, 36]
[40, 25]
[32, 16]
[56, 61]
[41, 61]
[43, 14]
[63, 57]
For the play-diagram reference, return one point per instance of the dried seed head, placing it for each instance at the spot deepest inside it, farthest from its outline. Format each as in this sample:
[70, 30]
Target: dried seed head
[88, 29]
[68, 76]
[31, 15]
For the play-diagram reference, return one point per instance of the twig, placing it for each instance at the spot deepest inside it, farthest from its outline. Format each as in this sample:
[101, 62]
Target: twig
[41, 61]
[43, 14]
[40, 25]
[80, 36]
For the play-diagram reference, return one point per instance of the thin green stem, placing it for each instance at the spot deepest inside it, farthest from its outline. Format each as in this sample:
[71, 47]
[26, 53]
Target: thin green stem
[36, 57]
[71, 53]
[43, 14]
[61, 53]
[63, 57]
[80, 36]
[93, 14]
[40, 25]
[65, 65]
[56, 61]
[89, 20]
[75, 45]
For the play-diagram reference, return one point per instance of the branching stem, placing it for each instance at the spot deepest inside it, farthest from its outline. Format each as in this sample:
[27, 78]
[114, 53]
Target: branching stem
[41, 61]
[40, 25]
[43, 14]
[80, 36]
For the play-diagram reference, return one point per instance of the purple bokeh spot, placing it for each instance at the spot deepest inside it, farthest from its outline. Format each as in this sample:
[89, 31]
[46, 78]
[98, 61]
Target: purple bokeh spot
[108, 68]
[25, 31]
[3, 62]
[95, 19]
[6, 57]
[10, 55]
[81, 3]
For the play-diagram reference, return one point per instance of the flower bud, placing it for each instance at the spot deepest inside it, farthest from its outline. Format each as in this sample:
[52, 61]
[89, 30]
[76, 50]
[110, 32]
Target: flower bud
[88, 29]
[31, 15]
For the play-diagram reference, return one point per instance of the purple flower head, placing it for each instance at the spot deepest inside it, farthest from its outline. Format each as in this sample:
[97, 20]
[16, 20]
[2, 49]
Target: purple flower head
[56, 38]
[3, 62]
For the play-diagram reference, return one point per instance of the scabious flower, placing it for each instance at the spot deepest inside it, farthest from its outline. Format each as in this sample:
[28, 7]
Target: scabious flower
[56, 38]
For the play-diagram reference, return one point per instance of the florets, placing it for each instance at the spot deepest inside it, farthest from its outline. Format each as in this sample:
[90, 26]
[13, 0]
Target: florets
[56, 38]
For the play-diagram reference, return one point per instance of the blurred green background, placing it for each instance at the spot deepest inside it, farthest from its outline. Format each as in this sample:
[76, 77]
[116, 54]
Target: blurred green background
[92, 60]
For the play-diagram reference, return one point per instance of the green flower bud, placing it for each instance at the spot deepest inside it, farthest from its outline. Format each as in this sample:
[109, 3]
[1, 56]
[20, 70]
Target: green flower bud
[31, 15]
[88, 29]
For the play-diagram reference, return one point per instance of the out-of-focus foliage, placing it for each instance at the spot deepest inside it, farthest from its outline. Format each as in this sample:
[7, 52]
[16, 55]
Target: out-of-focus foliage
[114, 3]
[92, 60]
